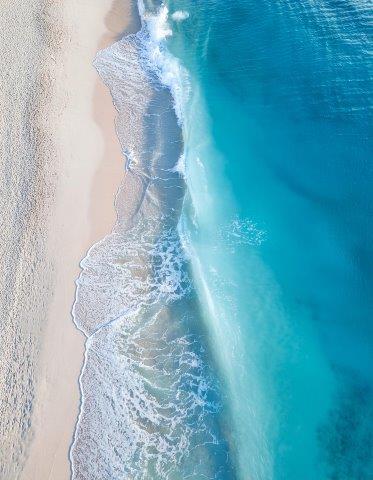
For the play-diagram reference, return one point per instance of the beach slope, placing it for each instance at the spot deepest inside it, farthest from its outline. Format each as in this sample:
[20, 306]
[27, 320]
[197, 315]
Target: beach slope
[60, 166]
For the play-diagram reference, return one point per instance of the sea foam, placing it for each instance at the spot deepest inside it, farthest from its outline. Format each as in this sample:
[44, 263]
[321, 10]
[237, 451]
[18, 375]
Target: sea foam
[180, 15]
[151, 403]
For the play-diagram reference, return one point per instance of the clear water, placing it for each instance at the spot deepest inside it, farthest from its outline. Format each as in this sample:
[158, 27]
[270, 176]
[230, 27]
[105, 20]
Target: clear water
[278, 137]
[275, 227]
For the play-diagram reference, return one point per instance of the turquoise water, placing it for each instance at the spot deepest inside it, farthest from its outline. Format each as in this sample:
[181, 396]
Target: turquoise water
[228, 314]
[278, 224]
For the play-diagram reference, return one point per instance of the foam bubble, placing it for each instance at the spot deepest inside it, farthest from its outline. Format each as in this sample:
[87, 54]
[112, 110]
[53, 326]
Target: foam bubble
[180, 15]
[243, 232]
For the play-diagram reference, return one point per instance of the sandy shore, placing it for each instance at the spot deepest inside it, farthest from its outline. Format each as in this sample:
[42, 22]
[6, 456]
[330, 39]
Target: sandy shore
[83, 172]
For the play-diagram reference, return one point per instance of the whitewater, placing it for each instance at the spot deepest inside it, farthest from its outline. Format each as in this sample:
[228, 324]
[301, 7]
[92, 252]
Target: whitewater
[151, 402]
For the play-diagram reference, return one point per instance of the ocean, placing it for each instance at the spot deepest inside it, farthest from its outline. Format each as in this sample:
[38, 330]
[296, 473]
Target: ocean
[228, 314]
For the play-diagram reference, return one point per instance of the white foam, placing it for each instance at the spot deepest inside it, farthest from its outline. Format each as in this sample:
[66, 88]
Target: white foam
[168, 68]
[157, 25]
[148, 394]
[180, 166]
[180, 15]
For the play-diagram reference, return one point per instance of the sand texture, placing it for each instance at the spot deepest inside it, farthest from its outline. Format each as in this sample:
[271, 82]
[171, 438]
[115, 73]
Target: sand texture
[60, 166]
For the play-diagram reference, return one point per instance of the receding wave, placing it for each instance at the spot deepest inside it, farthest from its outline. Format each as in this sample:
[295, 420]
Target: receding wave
[151, 404]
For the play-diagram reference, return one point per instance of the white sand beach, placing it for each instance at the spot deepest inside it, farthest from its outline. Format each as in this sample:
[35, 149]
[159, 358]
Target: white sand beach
[57, 200]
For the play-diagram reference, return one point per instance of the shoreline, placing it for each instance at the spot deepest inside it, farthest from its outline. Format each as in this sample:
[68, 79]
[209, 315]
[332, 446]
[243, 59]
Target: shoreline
[118, 277]
[120, 20]
[83, 214]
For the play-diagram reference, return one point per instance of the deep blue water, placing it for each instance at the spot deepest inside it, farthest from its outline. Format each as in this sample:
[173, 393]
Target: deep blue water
[278, 221]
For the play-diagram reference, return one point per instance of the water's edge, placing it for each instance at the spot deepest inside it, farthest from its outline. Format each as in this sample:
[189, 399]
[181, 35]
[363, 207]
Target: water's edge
[156, 413]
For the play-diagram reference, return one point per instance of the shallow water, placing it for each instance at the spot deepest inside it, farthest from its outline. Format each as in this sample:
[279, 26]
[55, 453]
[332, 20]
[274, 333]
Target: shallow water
[151, 401]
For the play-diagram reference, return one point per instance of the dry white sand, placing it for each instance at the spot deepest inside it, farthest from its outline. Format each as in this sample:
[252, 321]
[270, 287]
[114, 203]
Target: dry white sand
[51, 218]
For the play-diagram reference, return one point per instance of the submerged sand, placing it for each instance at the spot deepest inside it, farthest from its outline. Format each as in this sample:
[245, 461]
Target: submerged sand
[60, 166]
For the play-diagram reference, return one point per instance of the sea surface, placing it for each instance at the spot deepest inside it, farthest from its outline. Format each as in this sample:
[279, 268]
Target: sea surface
[229, 313]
